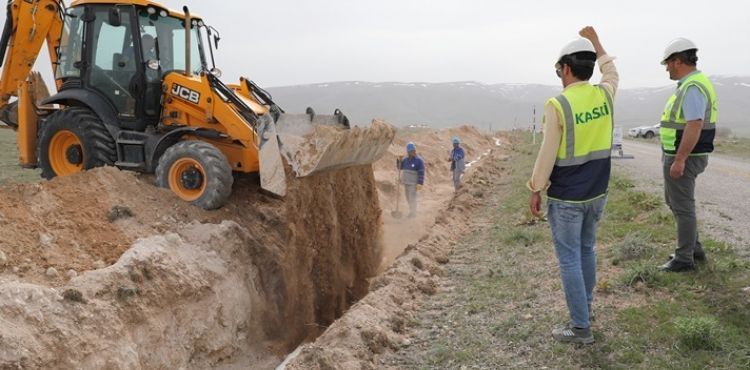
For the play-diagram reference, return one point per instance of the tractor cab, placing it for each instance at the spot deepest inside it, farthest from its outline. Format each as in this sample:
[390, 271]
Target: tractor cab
[117, 55]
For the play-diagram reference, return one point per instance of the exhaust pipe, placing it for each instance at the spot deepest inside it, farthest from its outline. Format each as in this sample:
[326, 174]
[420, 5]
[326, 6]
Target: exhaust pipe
[188, 22]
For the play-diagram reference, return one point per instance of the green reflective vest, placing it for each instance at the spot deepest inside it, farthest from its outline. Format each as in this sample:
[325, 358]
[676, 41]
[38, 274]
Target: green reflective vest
[673, 120]
[586, 111]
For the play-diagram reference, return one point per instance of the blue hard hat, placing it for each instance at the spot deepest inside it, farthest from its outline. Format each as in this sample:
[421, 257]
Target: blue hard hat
[456, 140]
[410, 147]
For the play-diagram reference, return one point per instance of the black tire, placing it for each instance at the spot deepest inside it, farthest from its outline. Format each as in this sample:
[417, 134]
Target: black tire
[95, 148]
[648, 134]
[197, 172]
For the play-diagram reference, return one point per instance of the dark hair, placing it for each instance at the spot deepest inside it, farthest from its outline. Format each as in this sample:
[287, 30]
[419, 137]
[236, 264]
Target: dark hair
[688, 57]
[581, 64]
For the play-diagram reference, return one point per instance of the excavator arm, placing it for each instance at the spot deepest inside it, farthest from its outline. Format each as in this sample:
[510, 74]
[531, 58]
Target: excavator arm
[28, 25]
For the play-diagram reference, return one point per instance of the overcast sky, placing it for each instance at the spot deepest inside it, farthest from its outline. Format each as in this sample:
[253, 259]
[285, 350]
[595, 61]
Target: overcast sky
[288, 42]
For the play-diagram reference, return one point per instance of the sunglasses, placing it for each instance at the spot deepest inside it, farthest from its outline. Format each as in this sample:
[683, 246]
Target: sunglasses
[558, 72]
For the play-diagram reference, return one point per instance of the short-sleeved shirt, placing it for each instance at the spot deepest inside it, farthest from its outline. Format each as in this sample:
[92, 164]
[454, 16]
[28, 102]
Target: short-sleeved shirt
[694, 105]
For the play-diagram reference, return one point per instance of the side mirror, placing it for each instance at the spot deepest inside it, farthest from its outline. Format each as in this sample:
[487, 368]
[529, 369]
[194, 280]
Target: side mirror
[216, 42]
[115, 20]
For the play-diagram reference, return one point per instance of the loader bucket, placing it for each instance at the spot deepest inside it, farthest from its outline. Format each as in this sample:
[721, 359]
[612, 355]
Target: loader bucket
[315, 143]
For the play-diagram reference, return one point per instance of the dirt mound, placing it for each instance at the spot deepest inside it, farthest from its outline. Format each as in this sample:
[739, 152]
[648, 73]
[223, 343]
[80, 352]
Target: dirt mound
[104, 270]
[250, 280]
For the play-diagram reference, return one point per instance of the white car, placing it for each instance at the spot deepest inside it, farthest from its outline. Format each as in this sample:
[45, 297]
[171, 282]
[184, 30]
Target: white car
[644, 131]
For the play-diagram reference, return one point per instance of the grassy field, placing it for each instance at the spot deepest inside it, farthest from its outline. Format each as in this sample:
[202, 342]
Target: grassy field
[10, 171]
[503, 294]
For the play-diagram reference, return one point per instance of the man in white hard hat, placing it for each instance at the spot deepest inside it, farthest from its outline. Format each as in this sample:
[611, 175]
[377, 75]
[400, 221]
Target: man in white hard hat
[573, 166]
[688, 126]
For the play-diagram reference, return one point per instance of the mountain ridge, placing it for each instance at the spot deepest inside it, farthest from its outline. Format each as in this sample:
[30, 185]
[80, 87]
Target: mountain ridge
[499, 106]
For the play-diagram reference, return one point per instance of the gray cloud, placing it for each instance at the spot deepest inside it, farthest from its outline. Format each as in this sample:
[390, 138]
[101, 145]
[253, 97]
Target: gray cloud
[287, 42]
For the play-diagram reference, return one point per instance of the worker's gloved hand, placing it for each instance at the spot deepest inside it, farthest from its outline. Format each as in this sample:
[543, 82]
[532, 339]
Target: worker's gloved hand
[419, 186]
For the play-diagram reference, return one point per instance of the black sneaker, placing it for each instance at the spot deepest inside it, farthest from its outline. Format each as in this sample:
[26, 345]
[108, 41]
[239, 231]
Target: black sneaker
[697, 257]
[677, 266]
[569, 334]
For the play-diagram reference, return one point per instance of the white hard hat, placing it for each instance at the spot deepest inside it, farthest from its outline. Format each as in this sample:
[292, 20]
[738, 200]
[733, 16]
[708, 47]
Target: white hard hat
[575, 46]
[675, 46]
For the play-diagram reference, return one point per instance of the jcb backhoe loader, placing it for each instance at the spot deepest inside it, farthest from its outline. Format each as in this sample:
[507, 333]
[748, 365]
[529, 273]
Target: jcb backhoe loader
[134, 90]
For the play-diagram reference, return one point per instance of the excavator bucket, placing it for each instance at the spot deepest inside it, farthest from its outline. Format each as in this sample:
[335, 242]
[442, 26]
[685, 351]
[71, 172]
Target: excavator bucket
[312, 143]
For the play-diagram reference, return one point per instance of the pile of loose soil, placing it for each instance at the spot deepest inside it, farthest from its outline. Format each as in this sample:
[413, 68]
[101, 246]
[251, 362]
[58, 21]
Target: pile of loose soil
[104, 270]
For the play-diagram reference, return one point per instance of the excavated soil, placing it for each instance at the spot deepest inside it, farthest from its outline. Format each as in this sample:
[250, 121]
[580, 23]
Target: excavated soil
[104, 270]
[193, 288]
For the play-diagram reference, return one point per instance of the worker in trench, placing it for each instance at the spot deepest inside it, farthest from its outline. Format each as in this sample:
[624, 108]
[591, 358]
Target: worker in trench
[411, 170]
[458, 162]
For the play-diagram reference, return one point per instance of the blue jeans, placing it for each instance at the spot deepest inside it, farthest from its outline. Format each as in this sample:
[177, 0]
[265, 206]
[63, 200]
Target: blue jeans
[574, 232]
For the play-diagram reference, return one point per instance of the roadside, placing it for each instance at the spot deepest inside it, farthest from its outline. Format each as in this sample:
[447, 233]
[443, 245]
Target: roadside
[722, 191]
[734, 146]
[499, 295]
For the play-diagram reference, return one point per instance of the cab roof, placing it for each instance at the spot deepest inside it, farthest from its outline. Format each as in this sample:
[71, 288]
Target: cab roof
[142, 3]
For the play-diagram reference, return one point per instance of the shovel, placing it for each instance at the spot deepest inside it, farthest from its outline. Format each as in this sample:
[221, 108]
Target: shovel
[396, 213]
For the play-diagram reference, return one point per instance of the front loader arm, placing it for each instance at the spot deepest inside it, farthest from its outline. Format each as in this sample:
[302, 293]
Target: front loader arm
[29, 24]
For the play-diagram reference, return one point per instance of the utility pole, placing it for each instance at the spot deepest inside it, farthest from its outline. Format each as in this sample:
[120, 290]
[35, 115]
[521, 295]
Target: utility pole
[533, 126]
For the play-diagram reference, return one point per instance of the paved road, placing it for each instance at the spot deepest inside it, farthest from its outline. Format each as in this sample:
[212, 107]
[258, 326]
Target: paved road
[722, 191]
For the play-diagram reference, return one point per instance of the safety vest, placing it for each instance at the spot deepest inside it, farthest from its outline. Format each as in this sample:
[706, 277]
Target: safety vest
[673, 120]
[583, 164]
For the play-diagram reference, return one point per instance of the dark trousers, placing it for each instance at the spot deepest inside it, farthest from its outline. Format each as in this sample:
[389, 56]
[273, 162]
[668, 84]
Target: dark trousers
[680, 197]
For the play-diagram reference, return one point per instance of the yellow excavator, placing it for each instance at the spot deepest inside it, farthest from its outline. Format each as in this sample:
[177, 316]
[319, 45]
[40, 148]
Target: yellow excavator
[134, 90]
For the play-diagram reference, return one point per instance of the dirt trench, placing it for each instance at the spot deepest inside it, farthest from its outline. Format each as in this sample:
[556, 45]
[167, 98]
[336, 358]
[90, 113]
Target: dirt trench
[380, 323]
[104, 270]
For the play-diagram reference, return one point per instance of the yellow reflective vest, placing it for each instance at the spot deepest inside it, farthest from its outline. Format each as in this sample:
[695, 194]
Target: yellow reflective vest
[673, 120]
[583, 163]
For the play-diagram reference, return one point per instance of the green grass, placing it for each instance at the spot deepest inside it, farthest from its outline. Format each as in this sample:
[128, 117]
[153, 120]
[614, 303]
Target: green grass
[508, 296]
[699, 333]
[633, 246]
[10, 171]
[643, 272]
